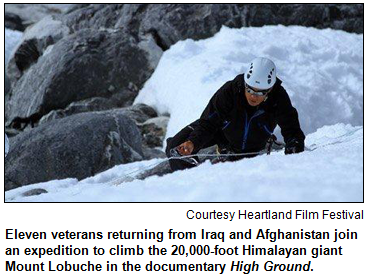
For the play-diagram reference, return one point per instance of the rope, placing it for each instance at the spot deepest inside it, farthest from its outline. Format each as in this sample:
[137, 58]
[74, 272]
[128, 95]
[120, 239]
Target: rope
[115, 181]
[138, 170]
[215, 155]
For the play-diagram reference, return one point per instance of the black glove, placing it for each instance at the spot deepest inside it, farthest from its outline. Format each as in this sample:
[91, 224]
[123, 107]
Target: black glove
[294, 146]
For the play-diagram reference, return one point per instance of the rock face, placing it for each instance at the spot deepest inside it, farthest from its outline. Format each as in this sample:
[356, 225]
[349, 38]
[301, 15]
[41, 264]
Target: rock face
[78, 146]
[13, 22]
[166, 23]
[347, 17]
[175, 18]
[169, 23]
[86, 64]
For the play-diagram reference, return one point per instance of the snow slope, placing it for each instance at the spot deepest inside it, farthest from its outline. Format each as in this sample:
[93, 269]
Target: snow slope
[332, 172]
[322, 71]
[12, 38]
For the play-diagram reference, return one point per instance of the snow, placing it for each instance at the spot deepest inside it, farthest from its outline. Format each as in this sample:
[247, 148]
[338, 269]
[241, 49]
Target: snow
[322, 71]
[35, 12]
[331, 172]
[6, 145]
[12, 38]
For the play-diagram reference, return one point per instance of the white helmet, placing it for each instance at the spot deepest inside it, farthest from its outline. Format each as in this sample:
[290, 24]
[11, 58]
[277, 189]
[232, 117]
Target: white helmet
[261, 73]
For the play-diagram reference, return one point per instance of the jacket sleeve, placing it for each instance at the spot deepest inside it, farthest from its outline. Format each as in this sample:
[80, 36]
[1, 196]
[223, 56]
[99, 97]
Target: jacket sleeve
[287, 118]
[214, 116]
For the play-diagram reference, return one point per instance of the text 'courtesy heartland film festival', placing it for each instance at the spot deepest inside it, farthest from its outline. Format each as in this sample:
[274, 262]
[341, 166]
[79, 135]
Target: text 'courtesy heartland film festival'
[276, 215]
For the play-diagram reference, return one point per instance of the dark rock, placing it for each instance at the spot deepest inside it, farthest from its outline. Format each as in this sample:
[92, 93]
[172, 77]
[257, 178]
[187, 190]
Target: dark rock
[160, 122]
[347, 17]
[153, 153]
[84, 65]
[13, 22]
[139, 113]
[152, 135]
[34, 43]
[78, 146]
[166, 24]
[169, 23]
[93, 104]
[74, 7]
[7, 84]
[34, 192]
[94, 16]
[154, 130]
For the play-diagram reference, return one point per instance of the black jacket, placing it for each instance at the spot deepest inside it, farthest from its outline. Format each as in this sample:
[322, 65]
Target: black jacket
[246, 128]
